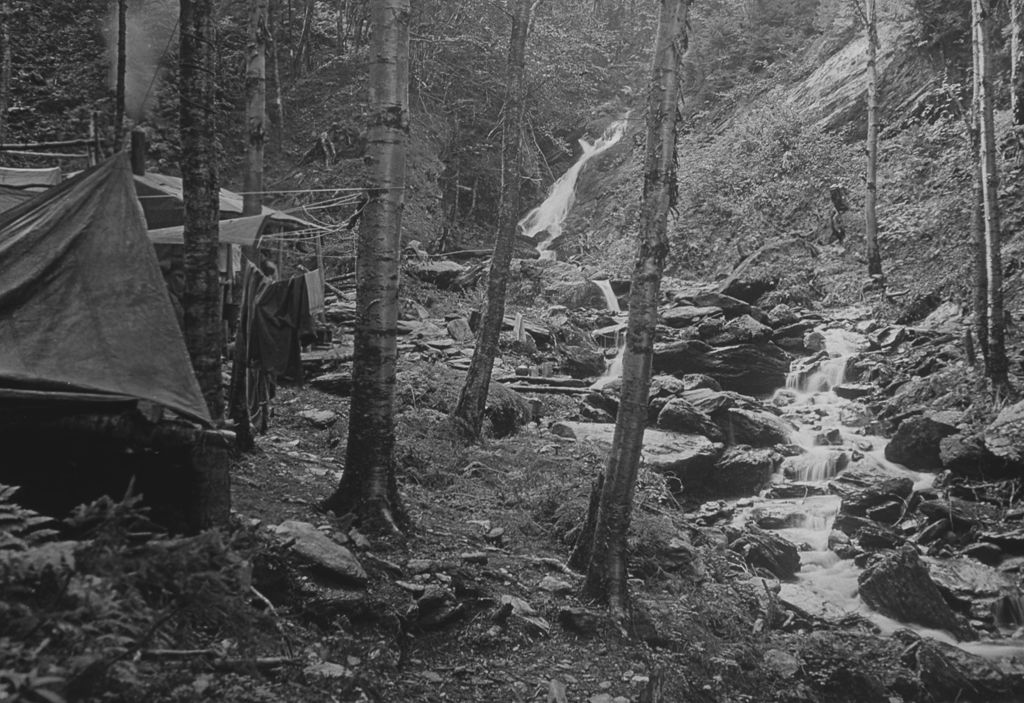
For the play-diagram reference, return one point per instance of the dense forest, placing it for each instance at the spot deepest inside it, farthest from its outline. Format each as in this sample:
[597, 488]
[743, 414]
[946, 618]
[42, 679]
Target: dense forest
[657, 351]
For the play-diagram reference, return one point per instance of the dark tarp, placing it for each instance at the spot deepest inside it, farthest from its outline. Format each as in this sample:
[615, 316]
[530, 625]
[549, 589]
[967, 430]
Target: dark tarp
[83, 306]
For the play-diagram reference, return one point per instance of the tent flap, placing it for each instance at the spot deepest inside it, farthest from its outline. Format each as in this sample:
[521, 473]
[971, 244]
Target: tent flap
[83, 306]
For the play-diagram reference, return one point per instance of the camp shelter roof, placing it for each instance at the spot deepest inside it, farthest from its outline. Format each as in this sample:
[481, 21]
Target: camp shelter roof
[38, 178]
[83, 307]
[242, 231]
[162, 200]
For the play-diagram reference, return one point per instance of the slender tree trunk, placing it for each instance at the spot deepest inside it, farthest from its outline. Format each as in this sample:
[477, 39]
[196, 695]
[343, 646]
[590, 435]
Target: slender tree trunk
[368, 485]
[252, 198]
[122, 64]
[1017, 61]
[997, 364]
[606, 571]
[469, 412]
[5, 65]
[339, 26]
[275, 107]
[303, 47]
[200, 193]
[871, 192]
[980, 255]
[256, 108]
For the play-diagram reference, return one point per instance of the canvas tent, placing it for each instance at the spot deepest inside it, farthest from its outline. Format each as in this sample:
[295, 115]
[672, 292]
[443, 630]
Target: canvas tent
[162, 201]
[242, 231]
[84, 311]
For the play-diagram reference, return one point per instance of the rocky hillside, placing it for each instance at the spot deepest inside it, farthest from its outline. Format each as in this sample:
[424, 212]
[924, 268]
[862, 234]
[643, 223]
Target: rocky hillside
[757, 171]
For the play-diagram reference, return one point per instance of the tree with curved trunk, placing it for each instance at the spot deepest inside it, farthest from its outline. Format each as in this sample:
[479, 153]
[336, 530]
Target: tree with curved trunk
[469, 412]
[874, 256]
[996, 366]
[606, 553]
[368, 487]
[200, 193]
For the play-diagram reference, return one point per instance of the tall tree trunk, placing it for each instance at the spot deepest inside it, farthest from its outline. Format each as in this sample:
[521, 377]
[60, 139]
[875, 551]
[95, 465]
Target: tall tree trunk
[871, 191]
[200, 193]
[339, 26]
[256, 108]
[606, 571]
[252, 198]
[469, 412]
[303, 48]
[997, 364]
[122, 65]
[275, 107]
[980, 255]
[368, 485]
[1017, 61]
[5, 65]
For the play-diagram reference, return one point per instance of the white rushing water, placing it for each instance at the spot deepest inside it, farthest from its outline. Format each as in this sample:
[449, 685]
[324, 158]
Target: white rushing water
[827, 585]
[550, 214]
[610, 298]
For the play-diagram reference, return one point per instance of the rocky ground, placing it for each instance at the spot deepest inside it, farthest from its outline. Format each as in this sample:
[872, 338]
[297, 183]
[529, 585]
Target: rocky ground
[476, 602]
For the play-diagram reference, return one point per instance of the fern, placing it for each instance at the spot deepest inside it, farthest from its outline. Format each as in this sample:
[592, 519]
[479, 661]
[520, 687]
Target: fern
[21, 528]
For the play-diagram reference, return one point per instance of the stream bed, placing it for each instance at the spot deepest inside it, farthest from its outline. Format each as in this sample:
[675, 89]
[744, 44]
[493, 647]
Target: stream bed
[833, 440]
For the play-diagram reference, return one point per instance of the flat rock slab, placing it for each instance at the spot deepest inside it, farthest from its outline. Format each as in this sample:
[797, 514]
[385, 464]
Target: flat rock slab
[686, 315]
[687, 456]
[326, 554]
[321, 419]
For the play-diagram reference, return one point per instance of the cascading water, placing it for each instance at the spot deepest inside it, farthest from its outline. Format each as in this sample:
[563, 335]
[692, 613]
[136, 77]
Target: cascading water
[832, 434]
[614, 368]
[550, 214]
[610, 299]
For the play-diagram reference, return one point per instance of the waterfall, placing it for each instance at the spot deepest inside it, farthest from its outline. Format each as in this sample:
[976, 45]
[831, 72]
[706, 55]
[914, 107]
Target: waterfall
[550, 214]
[609, 295]
[614, 368]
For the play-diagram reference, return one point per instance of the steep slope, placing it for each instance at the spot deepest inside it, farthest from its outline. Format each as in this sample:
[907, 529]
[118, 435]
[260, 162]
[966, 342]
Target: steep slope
[762, 172]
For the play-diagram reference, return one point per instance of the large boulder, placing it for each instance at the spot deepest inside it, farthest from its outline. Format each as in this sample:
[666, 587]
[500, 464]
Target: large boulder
[870, 535]
[678, 415]
[742, 471]
[764, 550]
[506, 410]
[441, 273]
[322, 552]
[948, 673]
[898, 585]
[758, 428]
[688, 457]
[867, 487]
[753, 369]
[916, 443]
[1005, 436]
[686, 315]
[741, 330]
[731, 306]
[975, 587]
[967, 456]
[709, 401]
